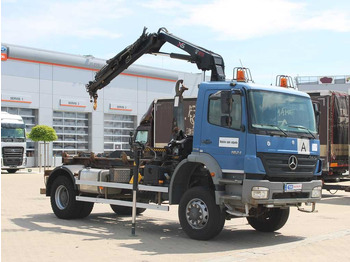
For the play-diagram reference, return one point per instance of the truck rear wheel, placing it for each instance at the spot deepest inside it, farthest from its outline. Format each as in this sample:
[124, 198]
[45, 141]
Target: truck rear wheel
[63, 201]
[199, 215]
[126, 211]
[271, 220]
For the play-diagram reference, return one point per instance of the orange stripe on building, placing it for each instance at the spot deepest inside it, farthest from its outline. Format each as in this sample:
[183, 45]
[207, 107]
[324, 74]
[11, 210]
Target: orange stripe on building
[48, 63]
[120, 109]
[86, 68]
[72, 105]
[16, 101]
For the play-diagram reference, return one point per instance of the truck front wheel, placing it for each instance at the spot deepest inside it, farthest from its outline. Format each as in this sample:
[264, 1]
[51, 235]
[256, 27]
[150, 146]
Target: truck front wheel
[199, 215]
[85, 209]
[270, 220]
[12, 171]
[63, 201]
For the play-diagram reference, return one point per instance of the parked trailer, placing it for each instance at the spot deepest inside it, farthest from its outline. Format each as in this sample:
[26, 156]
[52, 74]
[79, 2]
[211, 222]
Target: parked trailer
[333, 132]
[334, 187]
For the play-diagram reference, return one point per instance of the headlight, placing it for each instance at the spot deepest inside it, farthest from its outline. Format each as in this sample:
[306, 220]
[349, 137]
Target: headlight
[316, 192]
[260, 192]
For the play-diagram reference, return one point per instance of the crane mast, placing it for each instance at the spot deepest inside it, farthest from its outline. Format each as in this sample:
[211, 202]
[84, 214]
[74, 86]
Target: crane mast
[151, 43]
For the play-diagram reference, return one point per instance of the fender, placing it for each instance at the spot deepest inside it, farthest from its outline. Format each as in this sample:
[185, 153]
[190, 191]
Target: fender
[210, 162]
[68, 171]
[184, 170]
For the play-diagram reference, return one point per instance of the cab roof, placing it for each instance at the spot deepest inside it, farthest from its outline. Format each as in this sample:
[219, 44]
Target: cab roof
[251, 86]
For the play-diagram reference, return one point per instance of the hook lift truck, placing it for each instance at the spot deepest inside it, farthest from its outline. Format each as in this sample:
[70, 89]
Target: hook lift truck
[251, 154]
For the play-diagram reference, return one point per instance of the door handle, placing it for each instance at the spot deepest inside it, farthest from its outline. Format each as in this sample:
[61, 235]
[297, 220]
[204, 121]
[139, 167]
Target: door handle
[206, 141]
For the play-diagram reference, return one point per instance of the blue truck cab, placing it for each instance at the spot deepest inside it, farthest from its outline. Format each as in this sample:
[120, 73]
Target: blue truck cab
[266, 142]
[260, 146]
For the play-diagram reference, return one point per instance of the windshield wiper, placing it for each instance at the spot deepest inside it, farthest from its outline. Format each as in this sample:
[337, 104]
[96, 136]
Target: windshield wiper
[305, 128]
[285, 134]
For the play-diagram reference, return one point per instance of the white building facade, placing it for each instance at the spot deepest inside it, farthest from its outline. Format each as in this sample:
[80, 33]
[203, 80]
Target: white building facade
[48, 88]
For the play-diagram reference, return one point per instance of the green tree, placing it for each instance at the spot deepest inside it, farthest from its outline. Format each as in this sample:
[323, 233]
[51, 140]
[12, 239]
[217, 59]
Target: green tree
[42, 133]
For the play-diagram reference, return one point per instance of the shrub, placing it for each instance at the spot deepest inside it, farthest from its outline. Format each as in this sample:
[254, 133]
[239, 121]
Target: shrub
[42, 133]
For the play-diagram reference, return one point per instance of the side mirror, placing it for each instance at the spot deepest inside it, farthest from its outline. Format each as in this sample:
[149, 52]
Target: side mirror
[226, 121]
[226, 102]
[131, 139]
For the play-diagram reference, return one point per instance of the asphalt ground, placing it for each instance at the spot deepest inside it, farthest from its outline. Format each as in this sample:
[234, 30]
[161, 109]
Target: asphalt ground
[31, 232]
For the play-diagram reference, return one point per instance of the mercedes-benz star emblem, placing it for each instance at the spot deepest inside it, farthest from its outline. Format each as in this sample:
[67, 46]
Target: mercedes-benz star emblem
[293, 162]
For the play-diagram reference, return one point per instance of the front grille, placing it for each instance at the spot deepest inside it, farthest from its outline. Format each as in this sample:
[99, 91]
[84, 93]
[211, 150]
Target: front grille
[290, 195]
[276, 166]
[12, 156]
[20, 140]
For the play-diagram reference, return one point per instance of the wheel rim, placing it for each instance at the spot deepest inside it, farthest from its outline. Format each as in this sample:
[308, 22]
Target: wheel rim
[61, 197]
[197, 214]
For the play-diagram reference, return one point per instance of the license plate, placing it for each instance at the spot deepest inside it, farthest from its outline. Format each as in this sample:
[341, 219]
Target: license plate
[292, 187]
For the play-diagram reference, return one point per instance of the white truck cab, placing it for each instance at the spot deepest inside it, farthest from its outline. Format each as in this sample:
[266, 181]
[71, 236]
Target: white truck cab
[13, 142]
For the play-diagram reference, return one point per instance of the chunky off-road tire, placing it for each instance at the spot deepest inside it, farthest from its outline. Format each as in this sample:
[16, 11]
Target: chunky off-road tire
[271, 220]
[126, 211]
[12, 171]
[199, 215]
[85, 210]
[63, 201]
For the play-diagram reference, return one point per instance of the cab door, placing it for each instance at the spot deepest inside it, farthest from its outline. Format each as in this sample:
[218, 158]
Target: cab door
[223, 135]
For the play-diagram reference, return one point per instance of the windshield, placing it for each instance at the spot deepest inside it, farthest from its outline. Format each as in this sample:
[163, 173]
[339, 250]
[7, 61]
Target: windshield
[12, 130]
[282, 113]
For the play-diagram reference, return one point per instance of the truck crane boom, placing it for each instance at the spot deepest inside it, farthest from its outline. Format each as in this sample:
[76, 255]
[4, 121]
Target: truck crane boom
[151, 44]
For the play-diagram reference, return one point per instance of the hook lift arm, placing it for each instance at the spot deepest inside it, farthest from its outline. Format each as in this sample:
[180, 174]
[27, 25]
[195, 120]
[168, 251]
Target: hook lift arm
[151, 44]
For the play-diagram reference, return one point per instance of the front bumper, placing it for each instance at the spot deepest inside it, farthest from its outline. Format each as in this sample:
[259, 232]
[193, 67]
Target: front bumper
[12, 167]
[22, 166]
[276, 193]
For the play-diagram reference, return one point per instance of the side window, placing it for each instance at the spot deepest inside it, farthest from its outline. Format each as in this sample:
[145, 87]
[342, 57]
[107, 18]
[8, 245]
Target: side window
[142, 136]
[214, 111]
[215, 115]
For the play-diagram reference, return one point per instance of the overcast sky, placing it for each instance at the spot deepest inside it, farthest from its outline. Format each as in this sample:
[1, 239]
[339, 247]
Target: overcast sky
[270, 37]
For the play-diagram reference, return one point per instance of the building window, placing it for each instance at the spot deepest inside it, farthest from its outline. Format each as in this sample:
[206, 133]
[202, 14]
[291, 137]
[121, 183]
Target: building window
[30, 119]
[117, 130]
[72, 132]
